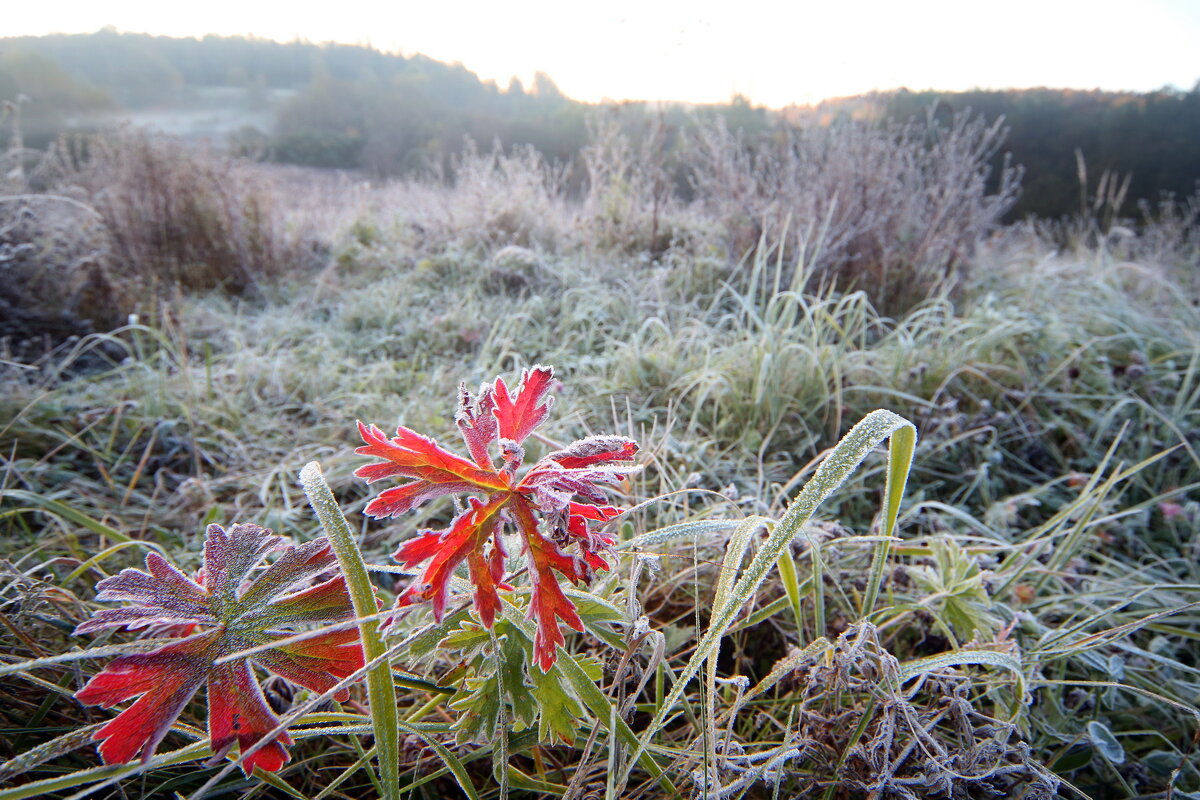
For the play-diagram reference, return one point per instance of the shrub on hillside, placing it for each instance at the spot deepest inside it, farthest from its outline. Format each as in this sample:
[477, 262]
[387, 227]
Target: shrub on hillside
[177, 215]
[104, 225]
[53, 283]
[895, 210]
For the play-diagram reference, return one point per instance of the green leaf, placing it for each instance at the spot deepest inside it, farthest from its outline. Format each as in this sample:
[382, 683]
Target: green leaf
[513, 668]
[582, 678]
[429, 640]
[478, 707]
[469, 635]
[1105, 743]
[1075, 758]
[559, 711]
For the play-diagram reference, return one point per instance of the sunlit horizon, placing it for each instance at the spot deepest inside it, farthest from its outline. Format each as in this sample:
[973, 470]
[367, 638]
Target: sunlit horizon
[707, 52]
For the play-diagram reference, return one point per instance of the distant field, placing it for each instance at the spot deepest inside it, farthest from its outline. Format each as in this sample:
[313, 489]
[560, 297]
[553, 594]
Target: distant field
[211, 113]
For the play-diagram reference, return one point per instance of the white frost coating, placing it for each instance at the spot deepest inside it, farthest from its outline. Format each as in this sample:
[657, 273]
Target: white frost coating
[872, 430]
[381, 691]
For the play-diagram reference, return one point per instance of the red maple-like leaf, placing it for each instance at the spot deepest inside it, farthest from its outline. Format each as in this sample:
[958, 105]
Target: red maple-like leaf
[558, 533]
[225, 612]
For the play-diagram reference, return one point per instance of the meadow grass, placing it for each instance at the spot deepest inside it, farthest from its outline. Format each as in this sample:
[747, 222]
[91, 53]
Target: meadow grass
[1030, 631]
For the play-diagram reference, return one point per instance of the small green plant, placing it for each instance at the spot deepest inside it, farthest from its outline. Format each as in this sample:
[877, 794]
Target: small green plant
[228, 617]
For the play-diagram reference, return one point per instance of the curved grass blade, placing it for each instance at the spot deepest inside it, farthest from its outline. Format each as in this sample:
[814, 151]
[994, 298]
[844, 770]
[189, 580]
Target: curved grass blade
[61, 509]
[842, 461]
[965, 657]
[105, 553]
[381, 691]
[900, 455]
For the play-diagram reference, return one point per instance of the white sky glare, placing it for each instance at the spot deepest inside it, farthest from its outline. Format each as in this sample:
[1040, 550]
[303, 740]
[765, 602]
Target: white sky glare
[775, 53]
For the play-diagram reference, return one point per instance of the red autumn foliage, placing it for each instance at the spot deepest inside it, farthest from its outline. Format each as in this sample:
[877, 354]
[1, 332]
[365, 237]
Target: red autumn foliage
[227, 611]
[558, 533]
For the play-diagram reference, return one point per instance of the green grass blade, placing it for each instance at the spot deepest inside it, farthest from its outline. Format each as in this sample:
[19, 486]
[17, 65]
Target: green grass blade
[103, 554]
[900, 456]
[60, 509]
[872, 430]
[381, 691]
[47, 786]
[791, 586]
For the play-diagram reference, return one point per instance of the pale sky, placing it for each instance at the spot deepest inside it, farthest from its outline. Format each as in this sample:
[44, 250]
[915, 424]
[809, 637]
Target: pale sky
[776, 53]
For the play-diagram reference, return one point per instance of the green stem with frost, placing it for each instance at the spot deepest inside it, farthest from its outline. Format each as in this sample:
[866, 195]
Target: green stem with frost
[381, 692]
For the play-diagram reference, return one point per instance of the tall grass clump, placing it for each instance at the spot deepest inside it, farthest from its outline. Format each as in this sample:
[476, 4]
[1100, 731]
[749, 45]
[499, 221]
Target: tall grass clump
[52, 277]
[895, 210]
[178, 215]
[105, 225]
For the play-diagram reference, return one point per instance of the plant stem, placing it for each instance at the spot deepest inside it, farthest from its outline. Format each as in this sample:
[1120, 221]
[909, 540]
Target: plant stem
[381, 692]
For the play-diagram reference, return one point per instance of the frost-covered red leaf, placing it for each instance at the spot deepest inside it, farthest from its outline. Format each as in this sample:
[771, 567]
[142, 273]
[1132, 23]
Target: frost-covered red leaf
[227, 611]
[556, 508]
[518, 416]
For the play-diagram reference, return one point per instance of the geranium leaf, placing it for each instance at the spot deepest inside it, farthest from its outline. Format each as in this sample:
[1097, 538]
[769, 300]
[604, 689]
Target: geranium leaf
[478, 704]
[476, 421]
[163, 596]
[519, 415]
[557, 508]
[165, 679]
[232, 610]
[410, 455]
[593, 450]
[559, 710]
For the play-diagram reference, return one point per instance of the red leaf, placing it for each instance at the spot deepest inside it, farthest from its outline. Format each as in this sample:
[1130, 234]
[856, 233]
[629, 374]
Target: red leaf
[238, 712]
[447, 549]
[587, 511]
[318, 663]
[487, 573]
[520, 415]
[476, 420]
[234, 611]
[396, 501]
[549, 488]
[165, 679]
[411, 455]
[594, 450]
[547, 602]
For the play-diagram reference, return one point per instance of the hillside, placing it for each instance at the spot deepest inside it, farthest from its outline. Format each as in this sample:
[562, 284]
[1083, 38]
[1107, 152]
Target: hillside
[351, 106]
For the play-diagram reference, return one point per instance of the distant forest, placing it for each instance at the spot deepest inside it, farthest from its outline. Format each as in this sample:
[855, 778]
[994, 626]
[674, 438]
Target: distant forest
[355, 107]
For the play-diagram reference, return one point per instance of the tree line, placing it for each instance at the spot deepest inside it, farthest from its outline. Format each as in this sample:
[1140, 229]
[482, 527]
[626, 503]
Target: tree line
[351, 106]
